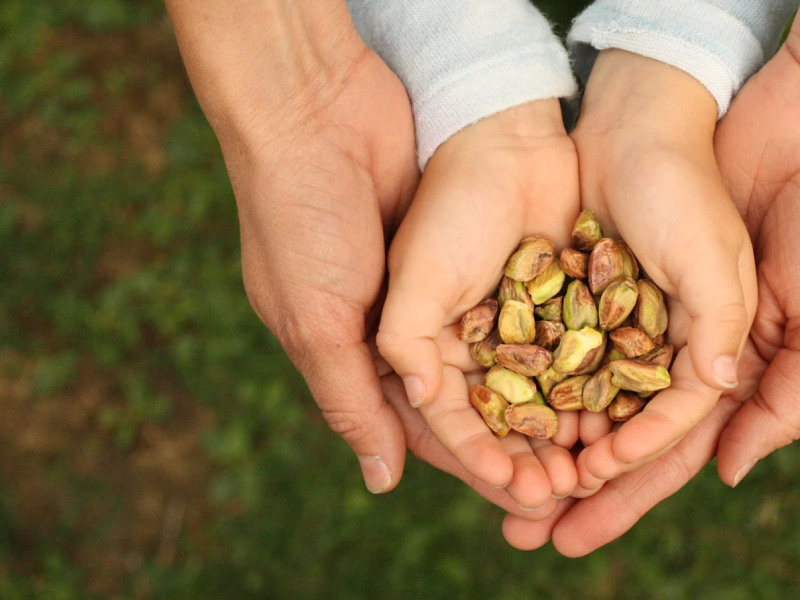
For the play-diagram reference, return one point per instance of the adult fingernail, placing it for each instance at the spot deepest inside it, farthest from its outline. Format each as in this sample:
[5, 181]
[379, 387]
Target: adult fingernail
[376, 474]
[502, 487]
[415, 390]
[724, 371]
[526, 509]
[743, 471]
[554, 497]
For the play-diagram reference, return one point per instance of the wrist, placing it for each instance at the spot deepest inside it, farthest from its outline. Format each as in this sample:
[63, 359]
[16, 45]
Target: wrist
[255, 63]
[528, 123]
[635, 97]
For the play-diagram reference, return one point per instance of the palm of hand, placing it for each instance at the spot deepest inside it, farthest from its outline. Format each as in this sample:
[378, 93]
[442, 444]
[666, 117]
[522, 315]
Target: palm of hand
[752, 144]
[497, 196]
[509, 175]
[758, 149]
[339, 185]
[318, 192]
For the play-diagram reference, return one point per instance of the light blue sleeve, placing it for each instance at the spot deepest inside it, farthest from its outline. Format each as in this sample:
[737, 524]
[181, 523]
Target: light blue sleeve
[719, 42]
[462, 60]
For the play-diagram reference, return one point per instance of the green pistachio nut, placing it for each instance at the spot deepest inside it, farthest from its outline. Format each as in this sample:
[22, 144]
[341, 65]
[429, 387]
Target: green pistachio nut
[651, 311]
[660, 356]
[532, 257]
[514, 388]
[516, 323]
[574, 348]
[605, 265]
[579, 310]
[477, 322]
[526, 359]
[547, 284]
[617, 303]
[532, 419]
[631, 342]
[592, 360]
[548, 334]
[625, 406]
[550, 310]
[630, 266]
[492, 408]
[485, 351]
[568, 395]
[513, 290]
[639, 377]
[599, 391]
[586, 232]
[574, 263]
[549, 379]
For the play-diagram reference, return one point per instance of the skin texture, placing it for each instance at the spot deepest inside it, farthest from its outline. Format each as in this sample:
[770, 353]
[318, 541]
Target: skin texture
[757, 146]
[647, 169]
[493, 183]
[317, 135]
[319, 145]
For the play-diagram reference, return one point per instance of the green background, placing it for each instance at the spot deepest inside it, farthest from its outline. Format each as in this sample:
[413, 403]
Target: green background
[154, 440]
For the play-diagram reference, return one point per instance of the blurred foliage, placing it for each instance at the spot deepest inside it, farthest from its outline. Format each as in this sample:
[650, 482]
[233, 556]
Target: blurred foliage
[155, 442]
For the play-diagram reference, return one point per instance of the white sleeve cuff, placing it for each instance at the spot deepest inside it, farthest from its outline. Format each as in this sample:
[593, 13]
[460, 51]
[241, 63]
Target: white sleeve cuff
[464, 60]
[489, 87]
[719, 43]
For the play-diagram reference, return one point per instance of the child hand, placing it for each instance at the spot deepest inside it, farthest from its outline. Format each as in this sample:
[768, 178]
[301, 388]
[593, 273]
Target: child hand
[647, 168]
[507, 176]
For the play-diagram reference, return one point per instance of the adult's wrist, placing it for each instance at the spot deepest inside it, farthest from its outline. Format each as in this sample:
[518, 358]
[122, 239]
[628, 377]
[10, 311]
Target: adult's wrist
[257, 62]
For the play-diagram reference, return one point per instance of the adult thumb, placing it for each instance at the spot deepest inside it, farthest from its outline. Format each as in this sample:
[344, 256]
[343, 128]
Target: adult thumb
[345, 385]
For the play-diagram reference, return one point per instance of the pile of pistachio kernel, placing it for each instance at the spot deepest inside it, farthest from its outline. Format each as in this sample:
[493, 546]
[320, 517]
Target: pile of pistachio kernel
[582, 326]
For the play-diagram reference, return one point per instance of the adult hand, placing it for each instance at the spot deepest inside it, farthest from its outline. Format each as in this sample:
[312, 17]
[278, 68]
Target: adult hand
[758, 149]
[318, 138]
[644, 141]
[505, 177]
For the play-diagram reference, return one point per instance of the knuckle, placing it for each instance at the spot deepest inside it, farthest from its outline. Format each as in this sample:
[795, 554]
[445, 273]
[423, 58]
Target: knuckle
[626, 505]
[389, 342]
[679, 464]
[350, 425]
[732, 316]
[294, 332]
[423, 444]
[357, 424]
[785, 431]
[301, 333]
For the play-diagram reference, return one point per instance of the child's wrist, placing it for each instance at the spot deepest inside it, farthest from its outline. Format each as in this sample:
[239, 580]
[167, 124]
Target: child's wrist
[535, 123]
[638, 96]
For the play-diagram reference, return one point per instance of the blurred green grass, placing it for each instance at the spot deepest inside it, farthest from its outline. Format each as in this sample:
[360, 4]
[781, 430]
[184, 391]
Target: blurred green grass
[154, 440]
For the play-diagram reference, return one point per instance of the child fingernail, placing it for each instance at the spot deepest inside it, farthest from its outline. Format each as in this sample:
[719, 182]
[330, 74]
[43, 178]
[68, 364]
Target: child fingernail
[724, 370]
[415, 390]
